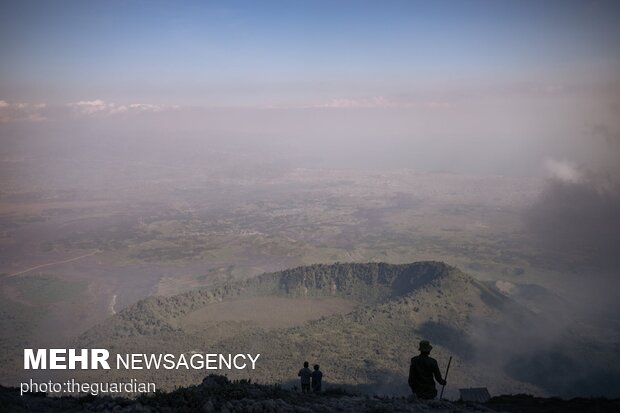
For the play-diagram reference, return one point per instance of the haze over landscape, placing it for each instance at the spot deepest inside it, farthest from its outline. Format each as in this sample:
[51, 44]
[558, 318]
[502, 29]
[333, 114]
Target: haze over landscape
[400, 170]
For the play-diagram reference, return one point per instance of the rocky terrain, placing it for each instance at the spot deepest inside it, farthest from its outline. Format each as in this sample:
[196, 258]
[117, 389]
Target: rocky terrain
[405, 303]
[218, 394]
[365, 346]
[495, 341]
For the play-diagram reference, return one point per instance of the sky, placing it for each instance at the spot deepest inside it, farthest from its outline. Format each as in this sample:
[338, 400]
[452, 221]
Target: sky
[533, 78]
[294, 52]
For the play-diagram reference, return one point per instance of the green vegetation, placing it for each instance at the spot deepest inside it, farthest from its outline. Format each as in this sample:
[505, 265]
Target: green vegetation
[18, 318]
[21, 320]
[44, 290]
[367, 347]
[367, 283]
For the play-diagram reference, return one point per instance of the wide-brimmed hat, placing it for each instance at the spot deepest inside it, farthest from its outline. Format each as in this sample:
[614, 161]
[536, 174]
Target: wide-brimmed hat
[425, 346]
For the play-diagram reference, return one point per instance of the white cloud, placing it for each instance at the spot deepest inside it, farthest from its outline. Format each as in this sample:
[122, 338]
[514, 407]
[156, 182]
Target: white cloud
[100, 107]
[37, 112]
[373, 102]
[380, 102]
[21, 112]
[90, 106]
[563, 171]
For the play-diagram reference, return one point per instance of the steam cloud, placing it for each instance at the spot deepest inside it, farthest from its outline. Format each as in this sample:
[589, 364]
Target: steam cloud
[576, 222]
[577, 216]
[563, 171]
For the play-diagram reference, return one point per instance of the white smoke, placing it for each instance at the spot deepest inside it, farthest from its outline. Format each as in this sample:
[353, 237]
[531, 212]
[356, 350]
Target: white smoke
[563, 170]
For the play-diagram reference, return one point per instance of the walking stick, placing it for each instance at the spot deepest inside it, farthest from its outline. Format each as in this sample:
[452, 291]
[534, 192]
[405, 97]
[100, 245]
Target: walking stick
[445, 378]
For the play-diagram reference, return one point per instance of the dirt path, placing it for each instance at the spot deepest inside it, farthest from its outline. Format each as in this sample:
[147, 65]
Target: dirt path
[112, 305]
[53, 263]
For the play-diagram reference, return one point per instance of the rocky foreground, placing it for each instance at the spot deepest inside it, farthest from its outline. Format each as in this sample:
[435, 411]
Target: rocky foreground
[218, 394]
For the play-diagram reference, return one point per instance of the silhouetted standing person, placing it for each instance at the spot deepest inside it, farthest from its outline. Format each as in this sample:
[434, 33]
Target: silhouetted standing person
[317, 377]
[305, 375]
[423, 372]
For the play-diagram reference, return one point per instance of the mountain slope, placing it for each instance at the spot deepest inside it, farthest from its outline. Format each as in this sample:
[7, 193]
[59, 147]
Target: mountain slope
[490, 336]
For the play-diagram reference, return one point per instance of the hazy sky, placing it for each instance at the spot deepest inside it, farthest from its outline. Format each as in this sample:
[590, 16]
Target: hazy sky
[526, 80]
[264, 52]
